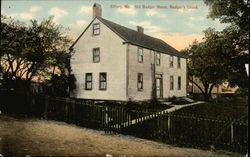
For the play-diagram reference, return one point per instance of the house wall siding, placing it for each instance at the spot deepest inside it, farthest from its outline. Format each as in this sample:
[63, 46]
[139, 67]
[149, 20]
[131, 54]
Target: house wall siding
[173, 71]
[112, 61]
[134, 68]
[163, 69]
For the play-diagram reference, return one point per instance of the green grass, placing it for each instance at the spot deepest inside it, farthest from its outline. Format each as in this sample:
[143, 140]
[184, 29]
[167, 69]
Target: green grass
[234, 108]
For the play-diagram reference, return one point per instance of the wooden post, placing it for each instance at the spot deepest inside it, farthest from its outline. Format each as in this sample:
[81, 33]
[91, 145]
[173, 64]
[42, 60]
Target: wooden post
[169, 123]
[232, 133]
[66, 109]
[46, 103]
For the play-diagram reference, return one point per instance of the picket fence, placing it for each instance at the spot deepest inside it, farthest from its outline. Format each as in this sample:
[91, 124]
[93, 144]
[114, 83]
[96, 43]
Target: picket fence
[181, 129]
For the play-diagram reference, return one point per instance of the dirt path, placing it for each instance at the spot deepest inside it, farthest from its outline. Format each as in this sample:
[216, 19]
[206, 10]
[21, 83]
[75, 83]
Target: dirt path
[44, 138]
[169, 110]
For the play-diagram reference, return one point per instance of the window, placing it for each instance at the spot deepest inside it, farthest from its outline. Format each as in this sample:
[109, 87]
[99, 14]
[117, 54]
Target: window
[158, 58]
[140, 55]
[96, 29]
[179, 62]
[179, 83]
[171, 82]
[96, 55]
[88, 81]
[103, 81]
[171, 61]
[140, 81]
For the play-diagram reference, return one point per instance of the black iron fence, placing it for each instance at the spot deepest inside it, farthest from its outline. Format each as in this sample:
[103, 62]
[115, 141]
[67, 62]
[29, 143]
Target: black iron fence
[177, 128]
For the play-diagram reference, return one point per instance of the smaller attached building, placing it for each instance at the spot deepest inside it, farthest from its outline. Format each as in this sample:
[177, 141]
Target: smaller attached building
[112, 62]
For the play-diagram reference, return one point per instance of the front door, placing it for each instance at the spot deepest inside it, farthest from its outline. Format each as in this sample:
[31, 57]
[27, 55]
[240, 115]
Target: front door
[159, 93]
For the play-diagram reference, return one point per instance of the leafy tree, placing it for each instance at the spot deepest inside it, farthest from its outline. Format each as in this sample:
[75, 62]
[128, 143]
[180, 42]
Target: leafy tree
[236, 35]
[212, 61]
[60, 85]
[235, 12]
[36, 51]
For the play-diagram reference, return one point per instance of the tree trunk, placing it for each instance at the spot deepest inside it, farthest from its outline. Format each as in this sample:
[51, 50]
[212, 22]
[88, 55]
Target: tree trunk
[206, 92]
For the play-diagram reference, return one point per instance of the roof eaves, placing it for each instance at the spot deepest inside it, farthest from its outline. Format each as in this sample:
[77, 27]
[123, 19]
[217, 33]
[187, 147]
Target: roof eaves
[123, 38]
[174, 54]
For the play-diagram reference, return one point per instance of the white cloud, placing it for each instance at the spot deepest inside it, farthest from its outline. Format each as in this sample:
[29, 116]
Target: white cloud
[78, 24]
[217, 21]
[151, 12]
[129, 11]
[179, 41]
[185, 10]
[57, 13]
[35, 9]
[26, 16]
[85, 9]
[190, 24]
[181, 11]
[154, 13]
[13, 15]
[77, 28]
[147, 25]
[198, 18]
[162, 15]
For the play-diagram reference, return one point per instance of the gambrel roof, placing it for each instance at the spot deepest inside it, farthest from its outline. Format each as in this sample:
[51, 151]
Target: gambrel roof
[136, 38]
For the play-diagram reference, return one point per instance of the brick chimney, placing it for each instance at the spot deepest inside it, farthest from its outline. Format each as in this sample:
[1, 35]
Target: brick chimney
[140, 29]
[97, 10]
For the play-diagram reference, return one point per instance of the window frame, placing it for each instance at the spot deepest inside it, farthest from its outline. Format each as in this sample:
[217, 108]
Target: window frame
[171, 61]
[179, 62]
[158, 58]
[94, 29]
[87, 81]
[140, 56]
[94, 50]
[139, 81]
[101, 81]
[179, 82]
[171, 81]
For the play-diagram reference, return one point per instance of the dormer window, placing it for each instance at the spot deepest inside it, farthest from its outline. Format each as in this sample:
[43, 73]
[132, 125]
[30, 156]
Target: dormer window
[96, 29]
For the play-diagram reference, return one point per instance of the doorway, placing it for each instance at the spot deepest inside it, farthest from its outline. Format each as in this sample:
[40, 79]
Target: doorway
[159, 89]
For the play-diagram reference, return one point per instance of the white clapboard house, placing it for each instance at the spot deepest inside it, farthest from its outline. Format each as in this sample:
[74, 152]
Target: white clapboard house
[112, 62]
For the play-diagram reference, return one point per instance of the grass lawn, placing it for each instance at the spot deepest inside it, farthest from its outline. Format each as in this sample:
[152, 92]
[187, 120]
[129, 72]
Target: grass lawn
[235, 108]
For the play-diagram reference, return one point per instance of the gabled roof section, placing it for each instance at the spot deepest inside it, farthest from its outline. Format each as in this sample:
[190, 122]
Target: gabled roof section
[81, 34]
[140, 39]
[136, 38]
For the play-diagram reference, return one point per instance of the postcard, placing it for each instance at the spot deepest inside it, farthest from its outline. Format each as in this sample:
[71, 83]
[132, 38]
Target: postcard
[124, 78]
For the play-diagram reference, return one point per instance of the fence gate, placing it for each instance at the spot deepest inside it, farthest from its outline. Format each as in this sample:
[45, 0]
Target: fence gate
[114, 119]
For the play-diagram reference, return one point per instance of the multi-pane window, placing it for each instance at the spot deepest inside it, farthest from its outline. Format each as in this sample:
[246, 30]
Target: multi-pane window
[171, 61]
[88, 81]
[140, 55]
[103, 81]
[96, 55]
[96, 29]
[178, 62]
[158, 58]
[179, 83]
[171, 82]
[140, 81]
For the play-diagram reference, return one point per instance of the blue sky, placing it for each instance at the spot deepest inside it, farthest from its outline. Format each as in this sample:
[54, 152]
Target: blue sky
[178, 27]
